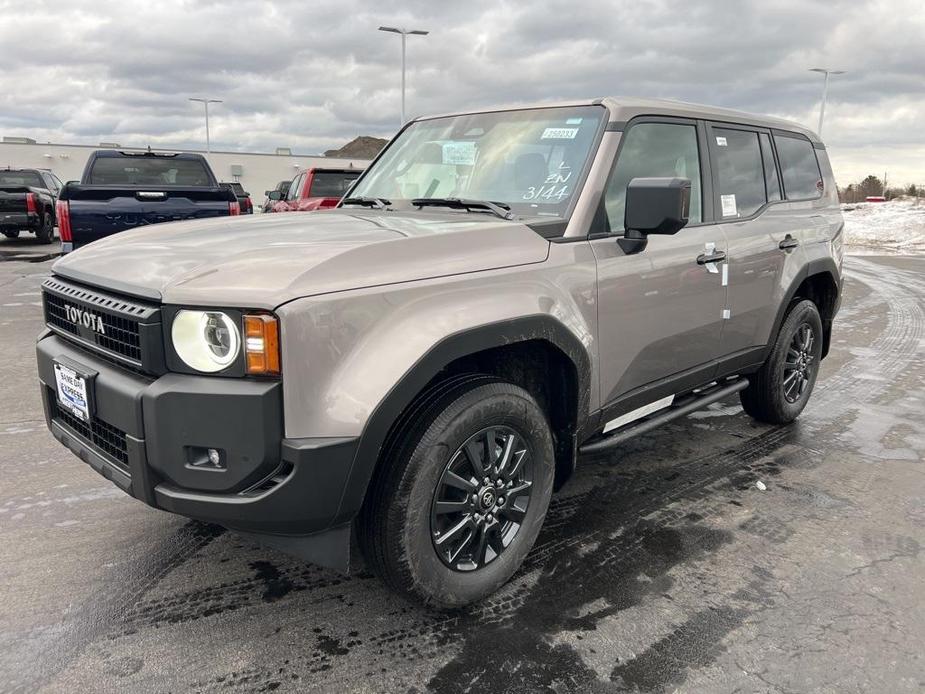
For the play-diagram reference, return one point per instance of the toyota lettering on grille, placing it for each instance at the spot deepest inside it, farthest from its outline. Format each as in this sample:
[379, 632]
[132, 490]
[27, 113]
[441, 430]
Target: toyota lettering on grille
[79, 316]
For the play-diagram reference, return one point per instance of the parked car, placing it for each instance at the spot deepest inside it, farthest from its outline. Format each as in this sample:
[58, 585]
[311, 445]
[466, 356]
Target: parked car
[126, 190]
[315, 189]
[244, 198]
[282, 187]
[27, 203]
[419, 368]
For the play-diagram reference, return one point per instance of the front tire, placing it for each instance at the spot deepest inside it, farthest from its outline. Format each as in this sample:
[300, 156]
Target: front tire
[461, 496]
[780, 389]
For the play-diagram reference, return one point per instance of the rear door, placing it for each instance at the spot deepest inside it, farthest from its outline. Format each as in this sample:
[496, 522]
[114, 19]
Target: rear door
[659, 311]
[747, 195]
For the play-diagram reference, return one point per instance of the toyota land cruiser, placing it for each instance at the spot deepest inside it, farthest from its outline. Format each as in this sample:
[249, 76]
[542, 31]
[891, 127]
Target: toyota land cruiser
[413, 373]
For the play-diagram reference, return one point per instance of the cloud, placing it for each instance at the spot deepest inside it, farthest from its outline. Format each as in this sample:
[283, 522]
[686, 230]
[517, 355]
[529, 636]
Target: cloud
[312, 75]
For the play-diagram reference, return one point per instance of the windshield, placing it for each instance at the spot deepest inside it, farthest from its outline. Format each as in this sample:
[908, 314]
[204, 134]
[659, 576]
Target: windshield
[530, 160]
[144, 170]
[20, 178]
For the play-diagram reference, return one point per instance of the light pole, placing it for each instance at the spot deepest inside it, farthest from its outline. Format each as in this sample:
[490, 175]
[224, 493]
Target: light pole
[206, 102]
[404, 34]
[825, 90]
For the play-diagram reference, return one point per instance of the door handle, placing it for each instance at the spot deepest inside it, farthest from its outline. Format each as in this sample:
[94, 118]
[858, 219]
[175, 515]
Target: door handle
[712, 257]
[789, 243]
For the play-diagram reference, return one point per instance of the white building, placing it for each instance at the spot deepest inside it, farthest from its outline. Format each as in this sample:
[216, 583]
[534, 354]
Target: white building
[255, 171]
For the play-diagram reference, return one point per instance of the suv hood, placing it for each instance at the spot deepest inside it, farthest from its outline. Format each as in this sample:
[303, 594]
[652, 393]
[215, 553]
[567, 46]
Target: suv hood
[263, 261]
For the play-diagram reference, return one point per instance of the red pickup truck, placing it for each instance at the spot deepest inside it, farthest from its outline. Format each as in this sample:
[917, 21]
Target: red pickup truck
[314, 189]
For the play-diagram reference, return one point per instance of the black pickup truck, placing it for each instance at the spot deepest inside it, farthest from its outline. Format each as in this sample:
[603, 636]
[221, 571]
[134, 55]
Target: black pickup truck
[27, 201]
[125, 190]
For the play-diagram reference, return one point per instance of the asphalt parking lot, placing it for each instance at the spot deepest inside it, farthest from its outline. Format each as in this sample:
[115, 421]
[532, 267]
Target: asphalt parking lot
[663, 567]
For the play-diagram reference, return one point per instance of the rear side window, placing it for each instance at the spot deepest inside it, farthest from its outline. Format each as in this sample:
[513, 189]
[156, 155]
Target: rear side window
[654, 150]
[799, 168]
[331, 184]
[740, 172]
[147, 170]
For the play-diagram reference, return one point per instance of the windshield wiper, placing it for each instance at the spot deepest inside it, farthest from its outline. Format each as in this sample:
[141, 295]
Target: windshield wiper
[499, 209]
[378, 203]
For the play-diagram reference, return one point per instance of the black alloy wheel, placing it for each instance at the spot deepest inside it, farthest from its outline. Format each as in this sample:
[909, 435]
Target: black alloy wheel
[800, 363]
[481, 498]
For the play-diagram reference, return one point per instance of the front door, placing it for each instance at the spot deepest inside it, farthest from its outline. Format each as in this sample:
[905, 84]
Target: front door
[660, 311]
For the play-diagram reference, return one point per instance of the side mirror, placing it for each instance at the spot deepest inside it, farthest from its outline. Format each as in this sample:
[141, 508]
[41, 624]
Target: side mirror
[654, 206]
[274, 195]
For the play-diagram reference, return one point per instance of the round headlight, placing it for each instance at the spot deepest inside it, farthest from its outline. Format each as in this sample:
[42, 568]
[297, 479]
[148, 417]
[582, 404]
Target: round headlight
[205, 340]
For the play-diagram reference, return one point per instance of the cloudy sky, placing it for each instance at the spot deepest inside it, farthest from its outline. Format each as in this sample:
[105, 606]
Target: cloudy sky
[311, 75]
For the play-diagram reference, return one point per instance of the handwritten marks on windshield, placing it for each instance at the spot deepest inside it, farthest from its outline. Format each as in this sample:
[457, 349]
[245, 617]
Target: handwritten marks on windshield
[554, 189]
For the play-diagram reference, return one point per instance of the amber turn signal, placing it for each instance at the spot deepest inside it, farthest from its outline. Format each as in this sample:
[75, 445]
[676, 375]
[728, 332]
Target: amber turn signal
[261, 344]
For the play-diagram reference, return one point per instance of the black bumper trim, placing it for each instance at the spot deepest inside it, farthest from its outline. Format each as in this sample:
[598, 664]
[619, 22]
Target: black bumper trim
[92, 457]
[278, 486]
[305, 501]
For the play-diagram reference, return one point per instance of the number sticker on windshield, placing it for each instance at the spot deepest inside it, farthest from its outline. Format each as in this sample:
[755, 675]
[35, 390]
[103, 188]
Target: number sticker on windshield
[559, 134]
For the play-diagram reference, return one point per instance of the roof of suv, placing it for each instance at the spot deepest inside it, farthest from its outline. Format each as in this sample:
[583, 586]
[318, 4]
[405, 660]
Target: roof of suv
[625, 108]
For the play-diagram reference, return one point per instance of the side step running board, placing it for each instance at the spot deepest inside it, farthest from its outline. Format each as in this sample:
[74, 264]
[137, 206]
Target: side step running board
[684, 406]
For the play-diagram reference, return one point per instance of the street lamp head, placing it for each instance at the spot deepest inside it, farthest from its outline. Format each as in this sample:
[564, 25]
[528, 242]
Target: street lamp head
[827, 71]
[406, 32]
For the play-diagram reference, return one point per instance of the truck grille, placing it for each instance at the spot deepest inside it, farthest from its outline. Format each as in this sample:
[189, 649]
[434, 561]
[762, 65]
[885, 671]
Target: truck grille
[119, 328]
[105, 437]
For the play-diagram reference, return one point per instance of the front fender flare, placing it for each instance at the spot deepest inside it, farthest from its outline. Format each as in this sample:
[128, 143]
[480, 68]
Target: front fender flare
[538, 327]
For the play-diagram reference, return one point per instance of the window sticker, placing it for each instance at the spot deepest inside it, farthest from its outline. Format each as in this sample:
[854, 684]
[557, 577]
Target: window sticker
[729, 205]
[721, 141]
[559, 134]
[459, 153]
[573, 121]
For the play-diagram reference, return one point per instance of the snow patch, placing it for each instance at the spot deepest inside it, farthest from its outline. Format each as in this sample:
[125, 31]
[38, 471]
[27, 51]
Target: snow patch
[897, 226]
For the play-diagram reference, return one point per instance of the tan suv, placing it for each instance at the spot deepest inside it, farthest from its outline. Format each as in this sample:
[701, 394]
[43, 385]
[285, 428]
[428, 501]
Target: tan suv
[418, 369]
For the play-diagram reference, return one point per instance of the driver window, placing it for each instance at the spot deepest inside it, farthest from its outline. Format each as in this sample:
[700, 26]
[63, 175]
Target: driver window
[654, 150]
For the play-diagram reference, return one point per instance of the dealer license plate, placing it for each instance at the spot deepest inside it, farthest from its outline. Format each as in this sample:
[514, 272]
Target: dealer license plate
[72, 392]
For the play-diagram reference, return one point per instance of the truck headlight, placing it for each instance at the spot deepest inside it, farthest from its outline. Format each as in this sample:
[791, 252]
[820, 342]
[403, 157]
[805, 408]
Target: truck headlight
[207, 341]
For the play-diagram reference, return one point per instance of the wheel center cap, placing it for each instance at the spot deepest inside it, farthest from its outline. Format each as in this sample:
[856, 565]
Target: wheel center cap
[487, 499]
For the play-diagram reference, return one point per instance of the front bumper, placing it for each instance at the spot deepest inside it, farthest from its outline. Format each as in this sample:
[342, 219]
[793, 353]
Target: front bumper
[146, 434]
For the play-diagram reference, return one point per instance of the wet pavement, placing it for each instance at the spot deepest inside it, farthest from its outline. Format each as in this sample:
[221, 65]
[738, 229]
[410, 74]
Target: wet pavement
[662, 567]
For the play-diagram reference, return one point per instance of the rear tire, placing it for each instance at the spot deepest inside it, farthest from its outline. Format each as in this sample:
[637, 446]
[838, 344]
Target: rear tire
[46, 233]
[780, 389]
[430, 528]
[11, 234]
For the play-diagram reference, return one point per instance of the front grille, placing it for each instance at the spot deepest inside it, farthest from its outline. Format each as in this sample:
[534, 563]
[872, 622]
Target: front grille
[105, 437]
[109, 324]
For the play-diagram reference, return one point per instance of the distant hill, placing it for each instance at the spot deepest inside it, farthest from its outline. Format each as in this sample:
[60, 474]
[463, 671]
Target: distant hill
[363, 147]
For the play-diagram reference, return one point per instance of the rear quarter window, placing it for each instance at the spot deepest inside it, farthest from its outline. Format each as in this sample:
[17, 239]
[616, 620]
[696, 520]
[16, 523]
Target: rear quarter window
[799, 168]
